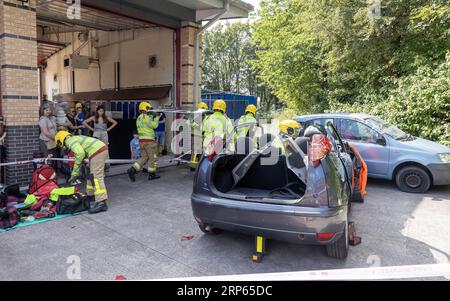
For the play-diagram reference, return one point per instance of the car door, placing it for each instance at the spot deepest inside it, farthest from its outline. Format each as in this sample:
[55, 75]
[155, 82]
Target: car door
[370, 144]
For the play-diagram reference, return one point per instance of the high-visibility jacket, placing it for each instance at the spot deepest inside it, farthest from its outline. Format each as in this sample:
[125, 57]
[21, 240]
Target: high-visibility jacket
[278, 142]
[146, 126]
[196, 126]
[217, 125]
[82, 146]
[248, 118]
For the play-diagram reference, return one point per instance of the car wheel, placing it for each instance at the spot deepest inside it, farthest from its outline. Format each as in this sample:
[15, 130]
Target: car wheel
[209, 230]
[413, 179]
[339, 249]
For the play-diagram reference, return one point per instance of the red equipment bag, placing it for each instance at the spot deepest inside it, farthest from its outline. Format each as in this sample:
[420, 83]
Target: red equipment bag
[41, 178]
[42, 184]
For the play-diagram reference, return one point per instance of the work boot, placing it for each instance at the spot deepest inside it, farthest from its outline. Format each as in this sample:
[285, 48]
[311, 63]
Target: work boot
[153, 176]
[98, 207]
[132, 174]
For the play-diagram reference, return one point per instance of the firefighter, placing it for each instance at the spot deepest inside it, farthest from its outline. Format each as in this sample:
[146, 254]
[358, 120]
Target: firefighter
[288, 129]
[249, 118]
[97, 152]
[197, 133]
[217, 128]
[146, 124]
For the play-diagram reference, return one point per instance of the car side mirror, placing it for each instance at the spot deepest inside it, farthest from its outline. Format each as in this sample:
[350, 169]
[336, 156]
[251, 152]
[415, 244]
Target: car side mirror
[381, 141]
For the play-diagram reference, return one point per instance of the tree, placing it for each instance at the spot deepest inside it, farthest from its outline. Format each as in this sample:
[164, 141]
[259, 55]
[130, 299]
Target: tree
[228, 51]
[318, 55]
[314, 52]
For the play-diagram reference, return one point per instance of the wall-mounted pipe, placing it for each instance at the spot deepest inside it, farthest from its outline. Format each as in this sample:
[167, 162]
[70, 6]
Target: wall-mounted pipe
[225, 9]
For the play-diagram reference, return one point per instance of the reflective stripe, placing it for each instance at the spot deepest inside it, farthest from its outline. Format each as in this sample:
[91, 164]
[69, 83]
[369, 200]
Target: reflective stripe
[89, 186]
[98, 189]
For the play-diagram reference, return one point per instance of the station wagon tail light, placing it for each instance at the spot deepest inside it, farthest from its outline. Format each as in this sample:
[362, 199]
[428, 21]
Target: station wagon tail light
[319, 148]
[213, 148]
[325, 236]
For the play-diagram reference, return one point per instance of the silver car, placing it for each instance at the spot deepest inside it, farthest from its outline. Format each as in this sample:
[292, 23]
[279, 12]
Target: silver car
[412, 162]
[304, 196]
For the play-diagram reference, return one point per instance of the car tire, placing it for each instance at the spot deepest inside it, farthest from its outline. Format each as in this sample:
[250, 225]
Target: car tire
[209, 230]
[413, 179]
[339, 249]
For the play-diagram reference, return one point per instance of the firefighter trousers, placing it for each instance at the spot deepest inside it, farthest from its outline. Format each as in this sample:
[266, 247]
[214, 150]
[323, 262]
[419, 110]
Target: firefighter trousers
[149, 152]
[96, 180]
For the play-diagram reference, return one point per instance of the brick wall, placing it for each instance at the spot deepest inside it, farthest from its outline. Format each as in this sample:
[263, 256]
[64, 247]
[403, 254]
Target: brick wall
[19, 86]
[21, 143]
[187, 65]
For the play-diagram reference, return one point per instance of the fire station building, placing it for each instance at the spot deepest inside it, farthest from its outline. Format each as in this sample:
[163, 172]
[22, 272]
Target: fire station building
[113, 52]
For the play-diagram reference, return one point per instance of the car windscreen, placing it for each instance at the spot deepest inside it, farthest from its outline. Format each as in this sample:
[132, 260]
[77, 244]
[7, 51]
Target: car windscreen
[386, 128]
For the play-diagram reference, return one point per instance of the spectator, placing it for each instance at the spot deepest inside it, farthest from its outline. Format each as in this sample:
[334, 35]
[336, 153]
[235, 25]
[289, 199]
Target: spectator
[48, 131]
[160, 132]
[100, 128]
[72, 123]
[79, 118]
[134, 147]
[2, 147]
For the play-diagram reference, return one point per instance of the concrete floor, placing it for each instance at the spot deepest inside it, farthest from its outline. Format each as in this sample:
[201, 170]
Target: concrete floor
[140, 236]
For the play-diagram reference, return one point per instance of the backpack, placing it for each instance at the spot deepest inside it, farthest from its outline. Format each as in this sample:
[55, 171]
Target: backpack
[42, 177]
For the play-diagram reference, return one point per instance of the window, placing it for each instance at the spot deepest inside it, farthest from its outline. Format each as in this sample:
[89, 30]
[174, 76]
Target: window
[322, 121]
[357, 131]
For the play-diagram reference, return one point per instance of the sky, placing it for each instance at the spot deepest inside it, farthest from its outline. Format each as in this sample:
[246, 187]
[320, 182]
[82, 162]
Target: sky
[255, 3]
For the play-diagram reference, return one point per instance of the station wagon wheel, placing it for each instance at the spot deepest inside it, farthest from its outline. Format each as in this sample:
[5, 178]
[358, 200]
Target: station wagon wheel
[413, 179]
[339, 249]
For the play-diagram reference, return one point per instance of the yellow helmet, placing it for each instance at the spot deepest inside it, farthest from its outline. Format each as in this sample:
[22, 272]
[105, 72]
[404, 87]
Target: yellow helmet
[145, 106]
[79, 106]
[251, 109]
[202, 105]
[289, 127]
[220, 105]
[61, 137]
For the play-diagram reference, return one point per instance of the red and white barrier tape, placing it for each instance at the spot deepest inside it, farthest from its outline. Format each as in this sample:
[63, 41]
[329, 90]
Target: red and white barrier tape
[373, 273]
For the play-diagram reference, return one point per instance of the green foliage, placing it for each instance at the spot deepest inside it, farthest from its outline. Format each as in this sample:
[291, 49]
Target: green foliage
[228, 51]
[420, 104]
[322, 55]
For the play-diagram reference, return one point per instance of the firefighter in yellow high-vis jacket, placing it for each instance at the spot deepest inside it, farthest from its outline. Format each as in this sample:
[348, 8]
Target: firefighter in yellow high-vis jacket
[97, 152]
[146, 125]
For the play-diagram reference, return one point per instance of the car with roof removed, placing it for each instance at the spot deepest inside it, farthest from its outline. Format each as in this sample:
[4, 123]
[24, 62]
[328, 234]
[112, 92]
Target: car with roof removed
[301, 194]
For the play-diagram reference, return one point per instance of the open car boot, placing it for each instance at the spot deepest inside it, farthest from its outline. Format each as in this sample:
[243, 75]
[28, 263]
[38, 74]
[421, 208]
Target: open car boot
[263, 174]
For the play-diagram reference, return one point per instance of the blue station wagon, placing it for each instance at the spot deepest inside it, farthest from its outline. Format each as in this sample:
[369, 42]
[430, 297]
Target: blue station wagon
[412, 162]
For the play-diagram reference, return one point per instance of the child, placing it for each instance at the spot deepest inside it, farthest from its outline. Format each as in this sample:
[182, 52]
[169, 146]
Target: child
[134, 147]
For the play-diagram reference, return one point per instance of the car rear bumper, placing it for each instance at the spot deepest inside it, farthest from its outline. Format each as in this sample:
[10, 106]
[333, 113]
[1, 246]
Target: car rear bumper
[280, 222]
[440, 172]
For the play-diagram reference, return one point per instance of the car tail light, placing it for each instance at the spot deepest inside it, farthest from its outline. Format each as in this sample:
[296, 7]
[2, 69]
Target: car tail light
[320, 147]
[213, 147]
[325, 236]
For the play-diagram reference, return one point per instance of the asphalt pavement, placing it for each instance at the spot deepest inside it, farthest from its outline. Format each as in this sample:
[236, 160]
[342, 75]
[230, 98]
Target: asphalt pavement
[149, 232]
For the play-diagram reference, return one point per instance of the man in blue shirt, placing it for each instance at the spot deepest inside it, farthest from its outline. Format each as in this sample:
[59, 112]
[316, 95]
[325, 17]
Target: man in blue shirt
[160, 134]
